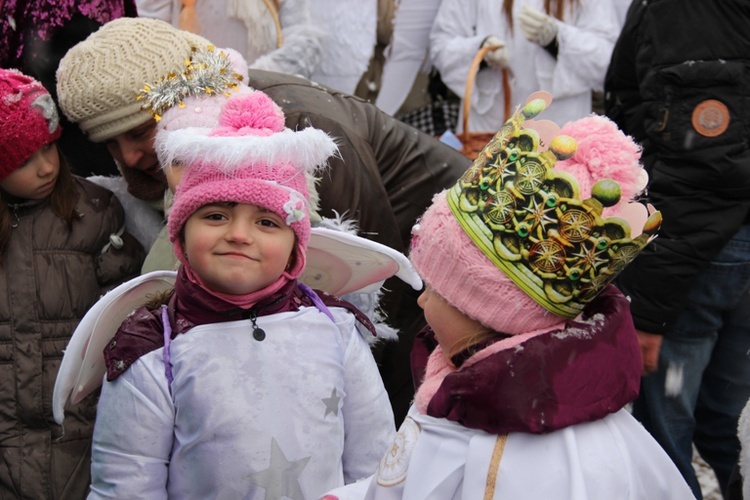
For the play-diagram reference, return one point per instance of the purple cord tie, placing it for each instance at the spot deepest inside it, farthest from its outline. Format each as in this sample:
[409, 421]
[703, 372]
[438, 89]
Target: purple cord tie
[167, 344]
[316, 300]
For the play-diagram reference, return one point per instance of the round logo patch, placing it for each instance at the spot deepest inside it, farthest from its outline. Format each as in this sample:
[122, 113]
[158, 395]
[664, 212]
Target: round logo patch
[710, 118]
[393, 466]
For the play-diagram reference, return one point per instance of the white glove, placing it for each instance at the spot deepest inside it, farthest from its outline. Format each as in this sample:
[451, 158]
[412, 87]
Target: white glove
[498, 58]
[537, 26]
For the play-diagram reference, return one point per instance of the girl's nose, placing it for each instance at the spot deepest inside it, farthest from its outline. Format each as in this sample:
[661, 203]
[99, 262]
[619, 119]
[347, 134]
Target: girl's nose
[240, 231]
[46, 167]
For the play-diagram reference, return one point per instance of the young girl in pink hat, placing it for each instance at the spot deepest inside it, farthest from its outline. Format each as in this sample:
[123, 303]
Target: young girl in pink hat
[530, 355]
[62, 245]
[243, 383]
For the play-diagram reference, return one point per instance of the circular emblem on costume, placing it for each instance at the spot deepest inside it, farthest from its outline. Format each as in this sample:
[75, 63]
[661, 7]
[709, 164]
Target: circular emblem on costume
[710, 118]
[395, 463]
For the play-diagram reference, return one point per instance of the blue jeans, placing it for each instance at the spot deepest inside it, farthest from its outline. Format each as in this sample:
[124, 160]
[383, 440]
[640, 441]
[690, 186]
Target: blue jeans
[710, 345]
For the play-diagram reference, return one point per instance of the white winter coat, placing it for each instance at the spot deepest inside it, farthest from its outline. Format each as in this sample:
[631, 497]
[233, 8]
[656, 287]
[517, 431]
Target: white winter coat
[300, 53]
[586, 39]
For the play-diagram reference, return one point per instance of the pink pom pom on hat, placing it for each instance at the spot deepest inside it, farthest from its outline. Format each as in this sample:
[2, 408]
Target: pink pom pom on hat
[28, 119]
[520, 243]
[604, 152]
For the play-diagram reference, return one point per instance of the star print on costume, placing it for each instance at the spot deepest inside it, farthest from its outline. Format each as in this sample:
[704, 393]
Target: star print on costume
[332, 403]
[280, 479]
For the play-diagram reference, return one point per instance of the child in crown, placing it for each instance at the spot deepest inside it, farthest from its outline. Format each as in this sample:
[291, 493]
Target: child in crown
[530, 355]
[243, 383]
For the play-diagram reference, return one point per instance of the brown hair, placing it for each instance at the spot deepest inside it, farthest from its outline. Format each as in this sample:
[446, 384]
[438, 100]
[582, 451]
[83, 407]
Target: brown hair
[157, 300]
[472, 340]
[63, 201]
[554, 8]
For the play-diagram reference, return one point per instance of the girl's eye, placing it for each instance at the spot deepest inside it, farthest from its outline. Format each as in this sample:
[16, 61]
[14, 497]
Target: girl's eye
[268, 223]
[215, 216]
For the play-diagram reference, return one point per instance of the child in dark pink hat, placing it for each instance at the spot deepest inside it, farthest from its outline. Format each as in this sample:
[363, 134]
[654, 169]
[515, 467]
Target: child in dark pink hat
[62, 245]
[530, 355]
[244, 383]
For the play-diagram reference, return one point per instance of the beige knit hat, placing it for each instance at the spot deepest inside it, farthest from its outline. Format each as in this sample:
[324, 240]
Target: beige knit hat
[98, 79]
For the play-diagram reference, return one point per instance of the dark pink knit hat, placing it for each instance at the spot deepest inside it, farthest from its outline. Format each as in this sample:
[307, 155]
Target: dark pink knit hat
[28, 119]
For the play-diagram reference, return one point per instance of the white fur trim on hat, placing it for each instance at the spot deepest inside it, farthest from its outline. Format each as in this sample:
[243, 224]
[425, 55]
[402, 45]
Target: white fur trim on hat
[307, 149]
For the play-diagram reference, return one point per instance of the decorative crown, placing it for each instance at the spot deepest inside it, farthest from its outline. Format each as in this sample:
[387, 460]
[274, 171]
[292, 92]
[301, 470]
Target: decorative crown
[529, 220]
[208, 71]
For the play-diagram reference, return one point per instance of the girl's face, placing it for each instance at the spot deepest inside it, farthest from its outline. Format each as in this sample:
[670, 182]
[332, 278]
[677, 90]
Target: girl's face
[36, 178]
[453, 329]
[236, 248]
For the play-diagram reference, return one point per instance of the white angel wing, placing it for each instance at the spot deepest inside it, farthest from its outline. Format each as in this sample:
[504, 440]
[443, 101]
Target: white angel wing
[407, 52]
[82, 368]
[340, 263]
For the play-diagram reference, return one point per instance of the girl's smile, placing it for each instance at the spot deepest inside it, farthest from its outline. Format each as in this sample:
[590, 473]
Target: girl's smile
[237, 248]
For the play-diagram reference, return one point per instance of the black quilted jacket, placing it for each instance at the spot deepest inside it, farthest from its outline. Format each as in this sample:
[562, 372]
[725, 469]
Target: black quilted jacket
[679, 82]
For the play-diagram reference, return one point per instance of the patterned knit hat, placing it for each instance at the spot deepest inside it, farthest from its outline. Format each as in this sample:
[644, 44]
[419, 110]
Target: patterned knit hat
[98, 79]
[28, 119]
[249, 158]
[520, 245]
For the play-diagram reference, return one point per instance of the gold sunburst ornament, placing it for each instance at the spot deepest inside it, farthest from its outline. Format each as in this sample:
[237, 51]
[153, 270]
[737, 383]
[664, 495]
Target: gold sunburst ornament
[207, 72]
[531, 222]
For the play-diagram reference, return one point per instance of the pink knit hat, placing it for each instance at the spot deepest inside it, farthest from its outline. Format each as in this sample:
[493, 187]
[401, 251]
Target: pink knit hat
[249, 158]
[520, 243]
[28, 119]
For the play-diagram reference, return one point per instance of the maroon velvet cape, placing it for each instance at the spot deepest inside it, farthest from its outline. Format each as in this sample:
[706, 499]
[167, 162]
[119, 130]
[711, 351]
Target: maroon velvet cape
[580, 373]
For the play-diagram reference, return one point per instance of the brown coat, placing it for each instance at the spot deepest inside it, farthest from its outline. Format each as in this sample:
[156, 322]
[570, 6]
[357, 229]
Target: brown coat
[50, 277]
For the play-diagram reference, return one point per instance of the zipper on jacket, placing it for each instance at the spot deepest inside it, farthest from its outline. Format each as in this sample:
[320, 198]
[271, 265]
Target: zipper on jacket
[664, 112]
[16, 219]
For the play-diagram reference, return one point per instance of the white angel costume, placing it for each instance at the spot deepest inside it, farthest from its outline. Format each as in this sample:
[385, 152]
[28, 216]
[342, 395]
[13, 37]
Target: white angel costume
[437, 458]
[219, 411]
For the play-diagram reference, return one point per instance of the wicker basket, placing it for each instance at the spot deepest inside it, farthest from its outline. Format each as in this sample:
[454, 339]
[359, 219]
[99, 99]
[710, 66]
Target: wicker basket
[473, 142]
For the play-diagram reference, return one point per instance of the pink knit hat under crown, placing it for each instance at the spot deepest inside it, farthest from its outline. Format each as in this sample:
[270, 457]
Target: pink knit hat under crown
[452, 265]
[28, 119]
[249, 158]
[510, 194]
